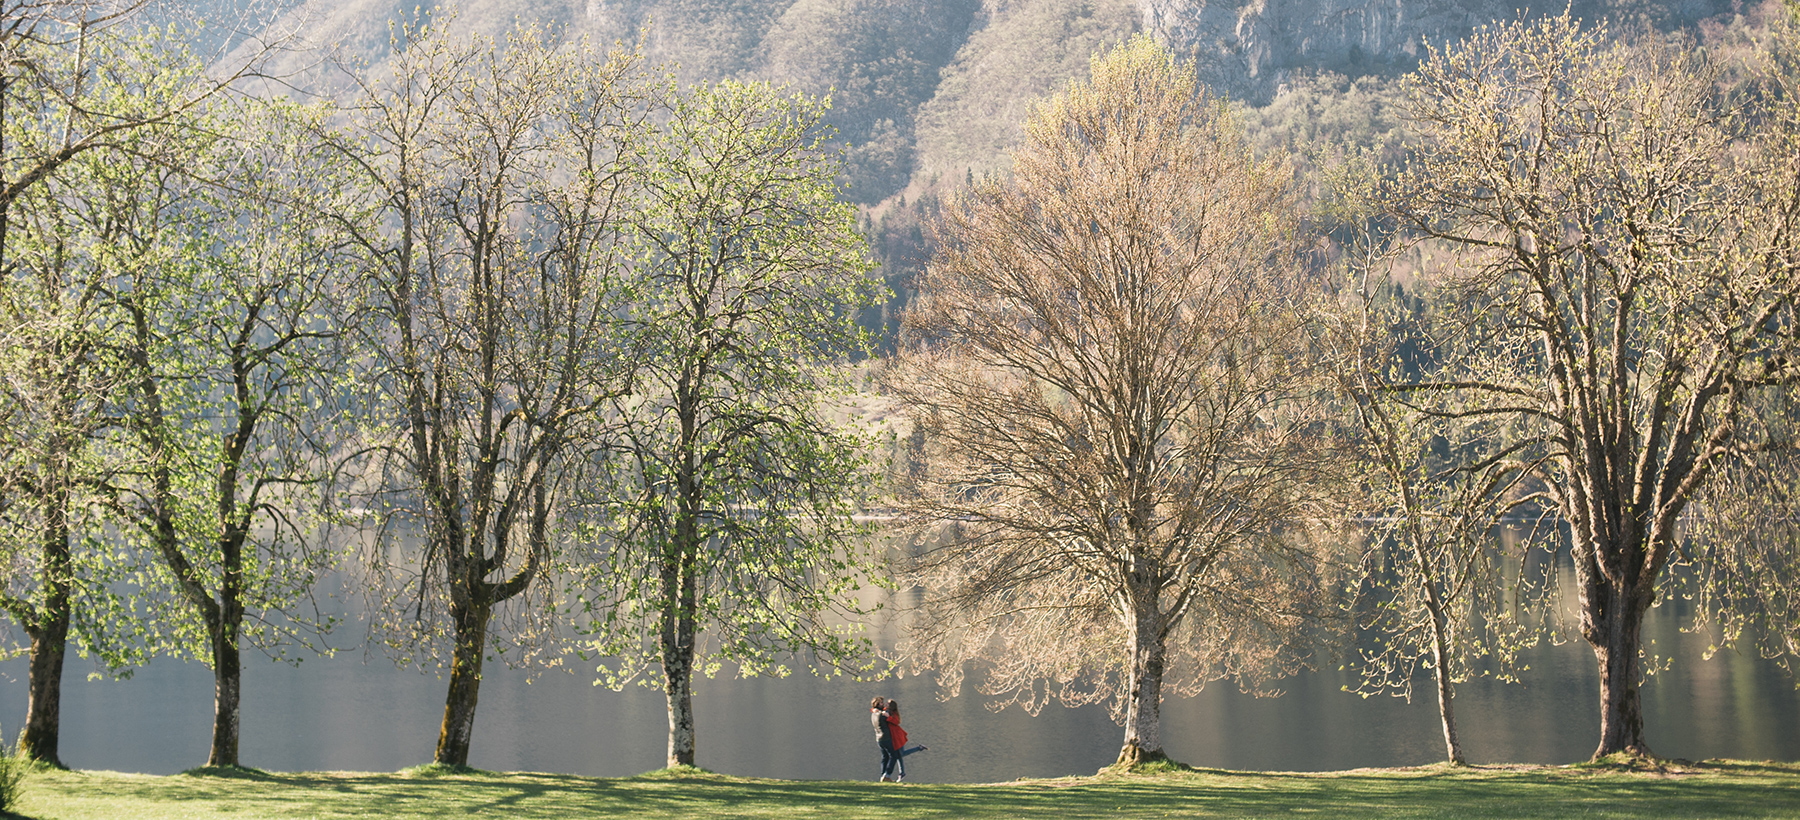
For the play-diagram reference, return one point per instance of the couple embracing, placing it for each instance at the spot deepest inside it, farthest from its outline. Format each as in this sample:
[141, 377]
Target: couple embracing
[884, 715]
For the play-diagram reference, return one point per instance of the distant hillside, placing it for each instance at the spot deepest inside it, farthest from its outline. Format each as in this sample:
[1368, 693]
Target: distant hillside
[928, 92]
[1251, 48]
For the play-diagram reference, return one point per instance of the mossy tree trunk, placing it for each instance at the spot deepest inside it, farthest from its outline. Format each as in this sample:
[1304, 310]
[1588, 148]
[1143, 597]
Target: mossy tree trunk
[458, 728]
[49, 632]
[47, 621]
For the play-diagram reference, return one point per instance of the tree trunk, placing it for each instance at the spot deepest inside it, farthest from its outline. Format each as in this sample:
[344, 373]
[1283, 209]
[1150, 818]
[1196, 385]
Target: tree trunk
[1446, 694]
[1143, 706]
[678, 584]
[465, 683]
[227, 688]
[1440, 660]
[1617, 638]
[50, 637]
[678, 670]
[678, 662]
[43, 712]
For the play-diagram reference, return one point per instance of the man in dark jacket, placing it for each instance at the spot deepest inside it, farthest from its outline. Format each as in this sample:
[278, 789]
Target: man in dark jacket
[884, 737]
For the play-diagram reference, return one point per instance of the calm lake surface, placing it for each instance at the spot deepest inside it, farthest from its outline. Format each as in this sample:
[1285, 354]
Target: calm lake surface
[357, 714]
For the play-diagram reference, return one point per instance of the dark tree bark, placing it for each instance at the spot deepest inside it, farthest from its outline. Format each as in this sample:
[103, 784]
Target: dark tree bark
[225, 626]
[227, 663]
[1612, 619]
[48, 624]
[49, 632]
[458, 728]
[43, 711]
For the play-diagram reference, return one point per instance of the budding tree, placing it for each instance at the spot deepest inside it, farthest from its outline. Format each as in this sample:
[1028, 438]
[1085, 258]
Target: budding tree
[1625, 285]
[734, 491]
[227, 279]
[493, 271]
[1432, 591]
[79, 83]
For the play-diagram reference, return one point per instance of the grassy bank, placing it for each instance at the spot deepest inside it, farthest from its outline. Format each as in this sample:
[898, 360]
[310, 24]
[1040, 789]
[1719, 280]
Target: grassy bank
[1711, 789]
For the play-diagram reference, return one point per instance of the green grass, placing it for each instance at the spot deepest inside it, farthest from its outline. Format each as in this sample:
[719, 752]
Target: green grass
[1710, 789]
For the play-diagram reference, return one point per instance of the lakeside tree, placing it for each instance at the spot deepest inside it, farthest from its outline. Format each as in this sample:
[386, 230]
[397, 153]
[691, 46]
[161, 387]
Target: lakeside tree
[226, 276]
[498, 174]
[78, 75]
[1744, 525]
[734, 540]
[1436, 590]
[1108, 371]
[1625, 289]
[78, 80]
[58, 374]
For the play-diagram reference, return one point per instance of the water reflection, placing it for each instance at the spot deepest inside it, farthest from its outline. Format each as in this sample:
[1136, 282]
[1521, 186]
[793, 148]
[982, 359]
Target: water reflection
[359, 713]
[345, 714]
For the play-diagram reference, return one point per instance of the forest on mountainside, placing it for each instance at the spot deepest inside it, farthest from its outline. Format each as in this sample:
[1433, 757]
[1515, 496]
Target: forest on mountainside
[927, 91]
[927, 94]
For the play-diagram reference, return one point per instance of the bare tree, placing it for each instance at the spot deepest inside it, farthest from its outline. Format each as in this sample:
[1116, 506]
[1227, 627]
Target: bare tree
[1108, 365]
[1432, 591]
[1626, 289]
[499, 174]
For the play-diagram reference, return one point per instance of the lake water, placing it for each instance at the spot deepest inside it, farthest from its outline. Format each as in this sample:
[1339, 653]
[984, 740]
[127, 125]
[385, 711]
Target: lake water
[348, 713]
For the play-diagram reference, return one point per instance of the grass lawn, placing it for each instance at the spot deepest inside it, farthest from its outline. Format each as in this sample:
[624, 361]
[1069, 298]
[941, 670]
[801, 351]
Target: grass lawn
[1679, 790]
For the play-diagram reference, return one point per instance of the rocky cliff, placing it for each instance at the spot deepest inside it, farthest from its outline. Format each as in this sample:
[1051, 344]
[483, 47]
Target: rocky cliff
[1250, 48]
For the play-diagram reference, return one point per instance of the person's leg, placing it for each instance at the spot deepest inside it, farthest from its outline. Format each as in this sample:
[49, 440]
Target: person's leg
[888, 758]
[913, 750]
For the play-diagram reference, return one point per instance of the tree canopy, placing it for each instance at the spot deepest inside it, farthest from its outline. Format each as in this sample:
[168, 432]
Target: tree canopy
[1105, 372]
[1621, 284]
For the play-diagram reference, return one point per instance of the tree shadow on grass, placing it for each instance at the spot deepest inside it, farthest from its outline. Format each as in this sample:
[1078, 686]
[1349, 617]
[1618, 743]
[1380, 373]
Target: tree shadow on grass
[1725, 788]
[1749, 767]
[230, 772]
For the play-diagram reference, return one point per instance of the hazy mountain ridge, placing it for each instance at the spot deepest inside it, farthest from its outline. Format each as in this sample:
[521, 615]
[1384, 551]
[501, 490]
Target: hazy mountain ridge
[936, 88]
[928, 92]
